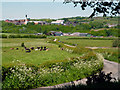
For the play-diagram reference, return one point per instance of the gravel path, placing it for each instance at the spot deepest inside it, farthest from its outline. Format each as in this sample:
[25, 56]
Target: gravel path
[109, 66]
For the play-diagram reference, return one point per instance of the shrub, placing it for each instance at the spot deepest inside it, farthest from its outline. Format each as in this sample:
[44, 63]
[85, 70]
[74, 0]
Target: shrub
[27, 36]
[3, 36]
[116, 43]
[22, 45]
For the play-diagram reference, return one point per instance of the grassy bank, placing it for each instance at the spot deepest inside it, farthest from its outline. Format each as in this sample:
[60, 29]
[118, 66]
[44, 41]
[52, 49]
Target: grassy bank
[52, 72]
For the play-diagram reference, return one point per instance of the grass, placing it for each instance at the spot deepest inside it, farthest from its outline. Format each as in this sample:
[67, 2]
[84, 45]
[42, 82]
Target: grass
[91, 43]
[51, 73]
[109, 54]
[86, 42]
[55, 65]
[35, 57]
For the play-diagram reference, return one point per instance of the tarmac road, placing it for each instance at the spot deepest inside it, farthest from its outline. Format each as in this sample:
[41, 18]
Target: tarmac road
[113, 67]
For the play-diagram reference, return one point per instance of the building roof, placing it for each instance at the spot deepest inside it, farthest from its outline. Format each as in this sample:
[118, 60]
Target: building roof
[58, 21]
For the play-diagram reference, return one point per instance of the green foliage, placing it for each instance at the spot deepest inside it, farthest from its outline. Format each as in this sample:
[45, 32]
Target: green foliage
[80, 49]
[77, 24]
[3, 36]
[22, 45]
[22, 36]
[116, 43]
[50, 73]
[110, 54]
[109, 32]
[97, 24]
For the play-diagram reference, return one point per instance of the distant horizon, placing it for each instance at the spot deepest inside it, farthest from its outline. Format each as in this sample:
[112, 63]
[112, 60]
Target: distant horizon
[44, 18]
[41, 10]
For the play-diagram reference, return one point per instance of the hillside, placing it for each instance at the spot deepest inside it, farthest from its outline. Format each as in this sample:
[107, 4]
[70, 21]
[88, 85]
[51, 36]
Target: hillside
[105, 25]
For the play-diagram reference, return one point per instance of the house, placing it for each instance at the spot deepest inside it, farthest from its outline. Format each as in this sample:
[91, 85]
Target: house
[111, 25]
[58, 22]
[66, 34]
[39, 22]
[75, 34]
[55, 33]
[58, 34]
[80, 34]
[84, 34]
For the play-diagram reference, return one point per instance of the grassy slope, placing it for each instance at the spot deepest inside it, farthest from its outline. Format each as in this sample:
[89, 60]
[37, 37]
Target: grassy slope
[109, 54]
[35, 57]
[86, 42]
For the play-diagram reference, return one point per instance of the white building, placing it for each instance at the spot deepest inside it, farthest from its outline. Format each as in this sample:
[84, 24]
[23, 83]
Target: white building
[58, 22]
[75, 34]
[38, 22]
[79, 34]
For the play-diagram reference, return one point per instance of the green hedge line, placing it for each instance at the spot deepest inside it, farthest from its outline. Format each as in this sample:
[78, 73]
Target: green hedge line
[51, 73]
[94, 38]
[74, 49]
[22, 36]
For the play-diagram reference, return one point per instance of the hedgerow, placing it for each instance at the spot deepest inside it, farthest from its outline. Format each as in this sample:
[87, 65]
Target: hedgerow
[51, 73]
[22, 36]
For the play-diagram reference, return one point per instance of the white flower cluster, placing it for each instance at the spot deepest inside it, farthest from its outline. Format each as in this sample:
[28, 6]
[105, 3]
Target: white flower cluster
[89, 64]
[69, 50]
[23, 72]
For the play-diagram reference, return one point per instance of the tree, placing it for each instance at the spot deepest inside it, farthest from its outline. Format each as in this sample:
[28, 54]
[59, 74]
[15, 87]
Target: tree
[99, 6]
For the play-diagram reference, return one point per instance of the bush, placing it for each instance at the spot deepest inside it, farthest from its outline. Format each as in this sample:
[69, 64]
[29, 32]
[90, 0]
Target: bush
[14, 36]
[27, 36]
[116, 43]
[22, 45]
[3, 36]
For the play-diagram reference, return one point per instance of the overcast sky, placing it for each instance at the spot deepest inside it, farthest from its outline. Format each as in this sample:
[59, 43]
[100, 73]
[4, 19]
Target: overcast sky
[17, 9]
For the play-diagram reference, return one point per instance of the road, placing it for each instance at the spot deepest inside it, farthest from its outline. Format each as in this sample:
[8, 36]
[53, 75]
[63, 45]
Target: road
[113, 67]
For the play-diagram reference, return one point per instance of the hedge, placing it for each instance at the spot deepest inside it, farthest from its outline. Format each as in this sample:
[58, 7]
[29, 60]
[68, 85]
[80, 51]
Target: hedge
[22, 36]
[51, 73]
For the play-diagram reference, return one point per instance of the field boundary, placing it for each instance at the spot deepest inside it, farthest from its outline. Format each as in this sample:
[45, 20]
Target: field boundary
[83, 81]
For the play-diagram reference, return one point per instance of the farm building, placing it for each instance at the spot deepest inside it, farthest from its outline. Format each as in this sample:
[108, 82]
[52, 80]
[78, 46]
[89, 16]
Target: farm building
[75, 34]
[39, 22]
[80, 34]
[58, 34]
[55, 33]
[58, 22]
[66, 34]
[84, 34]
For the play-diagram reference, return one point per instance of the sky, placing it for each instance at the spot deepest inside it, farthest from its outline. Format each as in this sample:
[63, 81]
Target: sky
[31, 0]
[38, 9]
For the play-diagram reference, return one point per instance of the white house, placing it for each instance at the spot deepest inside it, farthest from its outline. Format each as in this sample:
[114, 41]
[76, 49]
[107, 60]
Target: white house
[75, 34]
[38, 22]
[58, 22]
[79, 34]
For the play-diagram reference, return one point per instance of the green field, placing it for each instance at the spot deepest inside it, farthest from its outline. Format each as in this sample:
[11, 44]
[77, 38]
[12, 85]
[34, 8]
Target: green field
[86, 42]
[55, 66]
[35, 57]
[109, 52]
